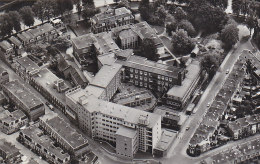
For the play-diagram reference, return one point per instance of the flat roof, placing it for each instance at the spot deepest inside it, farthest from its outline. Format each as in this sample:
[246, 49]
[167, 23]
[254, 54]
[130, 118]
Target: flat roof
[127, 132]
[5, 45]
[69, 134]
[19, 91]
[28, 64]
[128, 114]
[104, 43]
[166, 139]
[105, 75]
[193, 72]
[15, 41]
[46, 79]
[107, 59]
[83, 41]
[142, 63]
[8, 148]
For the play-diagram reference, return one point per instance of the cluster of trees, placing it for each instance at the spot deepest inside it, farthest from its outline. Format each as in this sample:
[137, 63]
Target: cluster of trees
[206, 17]
[149, 50]
[181, 42]
[179, 21]
[43, 10]
[12, 20]
[229, 34]
[153, 13]
[210, 63]
[244, 7]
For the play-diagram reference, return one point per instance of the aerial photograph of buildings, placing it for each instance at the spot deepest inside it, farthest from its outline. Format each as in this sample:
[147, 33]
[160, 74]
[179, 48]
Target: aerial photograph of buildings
[129, 82]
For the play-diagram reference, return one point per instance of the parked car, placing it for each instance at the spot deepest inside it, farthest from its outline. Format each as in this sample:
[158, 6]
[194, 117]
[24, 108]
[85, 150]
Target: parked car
[50, 106]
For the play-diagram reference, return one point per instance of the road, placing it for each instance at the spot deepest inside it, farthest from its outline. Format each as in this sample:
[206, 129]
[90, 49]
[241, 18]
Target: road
[177, 153]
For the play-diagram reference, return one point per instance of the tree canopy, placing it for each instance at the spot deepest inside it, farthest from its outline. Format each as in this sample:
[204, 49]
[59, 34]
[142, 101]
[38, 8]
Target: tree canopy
[187, 26]
[149, 50]
[27, 15]
[15, 19]
[181, 42]
[229, 35]
[210, 64]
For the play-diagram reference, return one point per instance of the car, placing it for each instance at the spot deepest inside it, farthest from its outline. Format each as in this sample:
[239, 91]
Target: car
[187, 128]
[208, 105]
[50, 106]
[227, 71]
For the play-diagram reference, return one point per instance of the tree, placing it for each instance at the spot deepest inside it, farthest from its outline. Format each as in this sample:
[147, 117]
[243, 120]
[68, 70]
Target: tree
[27, 15]
[229, 35]
[182, 43]
[180, 14]
[124, 3]
[89, 11]
[144, 9]
[15, 18]
[210, 64]
[88, 2]
[206, 17]
[171, 27]
[187, 26]
[251, 22]
[6, 25]
[64, 5]
[149, 50]
[236, 6]
[44, 9]
[161, 12]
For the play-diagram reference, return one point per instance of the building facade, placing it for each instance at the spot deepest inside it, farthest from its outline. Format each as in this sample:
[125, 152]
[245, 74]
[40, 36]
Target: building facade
[111, 18]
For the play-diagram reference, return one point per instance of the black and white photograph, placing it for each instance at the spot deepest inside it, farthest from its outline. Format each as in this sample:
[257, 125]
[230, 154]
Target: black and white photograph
[129, 82]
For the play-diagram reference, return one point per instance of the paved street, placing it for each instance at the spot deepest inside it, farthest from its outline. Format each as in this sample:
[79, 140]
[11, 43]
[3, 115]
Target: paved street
[178, 151]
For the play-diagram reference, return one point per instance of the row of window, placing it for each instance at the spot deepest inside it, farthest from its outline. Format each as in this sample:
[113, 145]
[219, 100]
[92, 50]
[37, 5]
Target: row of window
[150, 74]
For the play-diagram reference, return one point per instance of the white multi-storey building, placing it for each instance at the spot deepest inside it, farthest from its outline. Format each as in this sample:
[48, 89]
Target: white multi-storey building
[105, 120]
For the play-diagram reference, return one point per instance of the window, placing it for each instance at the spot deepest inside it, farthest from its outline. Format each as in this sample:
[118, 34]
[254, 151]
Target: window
[136, 76]
[136, 71]
[131, 75]
[162, 77]
[131, 70]
[145, 78]
[145, 73]
[170, 79]
[166, 78]
[141, 78]
[159, 77]
[141, 72]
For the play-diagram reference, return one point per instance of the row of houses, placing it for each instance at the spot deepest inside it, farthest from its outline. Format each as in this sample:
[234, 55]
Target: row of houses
[55, 140]
[242, 153]
[244, 127]
[205, 136]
